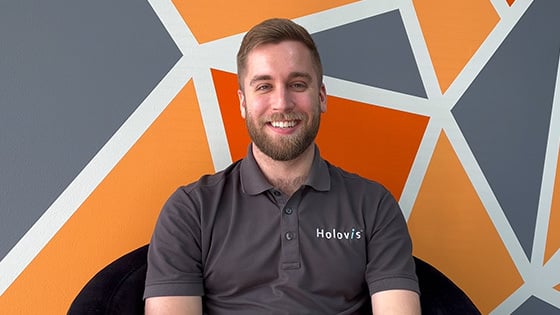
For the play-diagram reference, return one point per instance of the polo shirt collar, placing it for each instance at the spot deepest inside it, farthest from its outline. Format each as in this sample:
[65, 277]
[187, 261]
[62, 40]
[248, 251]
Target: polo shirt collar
[254, 182]
[252, 178]
[319, 177]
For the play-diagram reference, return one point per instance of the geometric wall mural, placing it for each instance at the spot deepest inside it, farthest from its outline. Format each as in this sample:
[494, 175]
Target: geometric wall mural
[453, 105]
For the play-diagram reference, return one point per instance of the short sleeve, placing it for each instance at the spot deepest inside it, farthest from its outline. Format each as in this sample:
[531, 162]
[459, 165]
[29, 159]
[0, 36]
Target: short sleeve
[174, 255]
[390, 263]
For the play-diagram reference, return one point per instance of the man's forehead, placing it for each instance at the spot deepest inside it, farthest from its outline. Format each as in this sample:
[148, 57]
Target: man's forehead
[260, 65]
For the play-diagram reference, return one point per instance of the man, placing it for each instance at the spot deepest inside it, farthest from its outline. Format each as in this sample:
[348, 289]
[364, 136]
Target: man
[281, 231]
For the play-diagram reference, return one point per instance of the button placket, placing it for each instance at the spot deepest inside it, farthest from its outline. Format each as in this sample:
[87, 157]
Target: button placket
[290, 239]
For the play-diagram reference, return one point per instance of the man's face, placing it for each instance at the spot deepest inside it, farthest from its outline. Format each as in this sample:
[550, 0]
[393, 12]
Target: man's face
[282, 99]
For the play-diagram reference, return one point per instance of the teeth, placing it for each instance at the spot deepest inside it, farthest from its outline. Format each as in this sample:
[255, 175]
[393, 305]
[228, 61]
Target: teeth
[283, 124]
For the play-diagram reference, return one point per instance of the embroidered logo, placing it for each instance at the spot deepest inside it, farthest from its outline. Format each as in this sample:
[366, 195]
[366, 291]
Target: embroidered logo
[334, 234]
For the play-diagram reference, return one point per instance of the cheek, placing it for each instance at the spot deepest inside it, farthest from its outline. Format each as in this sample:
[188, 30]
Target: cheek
[308, 103]
[257, 105]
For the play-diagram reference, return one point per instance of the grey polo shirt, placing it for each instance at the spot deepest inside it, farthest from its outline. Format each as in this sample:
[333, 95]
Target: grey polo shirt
[249, 249]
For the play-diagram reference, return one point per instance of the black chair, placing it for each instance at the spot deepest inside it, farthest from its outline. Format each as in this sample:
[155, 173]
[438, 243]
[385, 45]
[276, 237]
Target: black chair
[118, 289]
[115, 290]
[439, 295]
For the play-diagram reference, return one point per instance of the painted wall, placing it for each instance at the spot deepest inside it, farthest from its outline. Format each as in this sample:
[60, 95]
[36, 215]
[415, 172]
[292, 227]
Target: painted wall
[107, 106]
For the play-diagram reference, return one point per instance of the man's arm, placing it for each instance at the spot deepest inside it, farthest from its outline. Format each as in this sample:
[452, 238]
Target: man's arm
[171, 305]
[395, 302]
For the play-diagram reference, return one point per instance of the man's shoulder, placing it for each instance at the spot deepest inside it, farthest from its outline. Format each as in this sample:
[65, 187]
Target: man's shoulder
[351, 178]
[210, 181]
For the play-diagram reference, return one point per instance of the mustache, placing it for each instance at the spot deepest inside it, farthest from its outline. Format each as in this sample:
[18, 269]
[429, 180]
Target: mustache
[284, 117]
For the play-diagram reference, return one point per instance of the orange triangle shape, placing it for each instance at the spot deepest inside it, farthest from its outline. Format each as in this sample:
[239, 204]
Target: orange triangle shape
[238, 16]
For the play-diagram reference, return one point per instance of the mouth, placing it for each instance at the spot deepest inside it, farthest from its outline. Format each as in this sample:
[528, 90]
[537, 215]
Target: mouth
[284, 124]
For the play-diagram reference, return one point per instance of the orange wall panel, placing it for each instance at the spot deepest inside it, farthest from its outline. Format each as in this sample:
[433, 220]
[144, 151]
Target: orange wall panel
[375, 142]
[213, 19]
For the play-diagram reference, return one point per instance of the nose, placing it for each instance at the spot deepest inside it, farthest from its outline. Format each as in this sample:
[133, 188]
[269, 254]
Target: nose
[282, 100]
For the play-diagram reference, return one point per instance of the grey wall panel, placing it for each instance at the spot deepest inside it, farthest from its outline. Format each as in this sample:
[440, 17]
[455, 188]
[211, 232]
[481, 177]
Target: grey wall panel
[71, 72]
[536, 306]
[375, 52]
[505, 115]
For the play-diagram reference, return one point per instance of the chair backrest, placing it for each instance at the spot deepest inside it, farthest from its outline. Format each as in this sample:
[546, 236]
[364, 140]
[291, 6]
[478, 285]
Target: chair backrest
[118, 289]
[439, 295]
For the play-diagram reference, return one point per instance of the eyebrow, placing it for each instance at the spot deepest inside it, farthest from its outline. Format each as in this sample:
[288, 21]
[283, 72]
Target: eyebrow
[258, 78]
[266, 77]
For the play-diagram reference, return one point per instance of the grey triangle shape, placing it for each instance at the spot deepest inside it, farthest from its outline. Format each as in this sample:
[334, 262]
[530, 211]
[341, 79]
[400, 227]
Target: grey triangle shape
[374, 51]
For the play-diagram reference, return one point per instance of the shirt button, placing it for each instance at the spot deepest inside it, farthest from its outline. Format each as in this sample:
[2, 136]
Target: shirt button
[290, 236]
[276, 193]
[288, 211]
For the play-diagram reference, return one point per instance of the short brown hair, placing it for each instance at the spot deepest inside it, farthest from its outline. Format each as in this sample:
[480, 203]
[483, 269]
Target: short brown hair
[274, 31]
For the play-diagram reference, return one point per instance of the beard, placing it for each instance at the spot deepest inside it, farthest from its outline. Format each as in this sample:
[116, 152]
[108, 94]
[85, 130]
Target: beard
[286, 147]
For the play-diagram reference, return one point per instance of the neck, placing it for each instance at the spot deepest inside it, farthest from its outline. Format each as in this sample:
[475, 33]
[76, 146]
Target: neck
[286, 176]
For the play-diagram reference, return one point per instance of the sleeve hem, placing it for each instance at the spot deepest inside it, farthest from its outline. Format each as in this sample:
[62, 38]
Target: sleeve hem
[396, 283]
[173, 289]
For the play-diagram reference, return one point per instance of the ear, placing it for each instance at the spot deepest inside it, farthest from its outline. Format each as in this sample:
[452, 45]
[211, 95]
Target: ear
[323, 98]
[242, 103]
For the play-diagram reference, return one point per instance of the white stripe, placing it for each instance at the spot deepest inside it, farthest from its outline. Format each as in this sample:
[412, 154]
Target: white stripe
[346, 14]
[501, 7]
[420, 50]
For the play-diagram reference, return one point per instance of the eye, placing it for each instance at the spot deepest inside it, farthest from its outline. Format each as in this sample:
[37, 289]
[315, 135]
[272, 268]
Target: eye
[263, 87]
[298, 86]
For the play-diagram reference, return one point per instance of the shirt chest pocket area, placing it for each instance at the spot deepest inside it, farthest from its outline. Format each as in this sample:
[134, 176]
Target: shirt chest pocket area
[339, 255]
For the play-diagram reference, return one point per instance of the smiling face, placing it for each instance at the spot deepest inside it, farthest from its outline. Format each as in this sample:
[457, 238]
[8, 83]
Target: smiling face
[281, 99]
